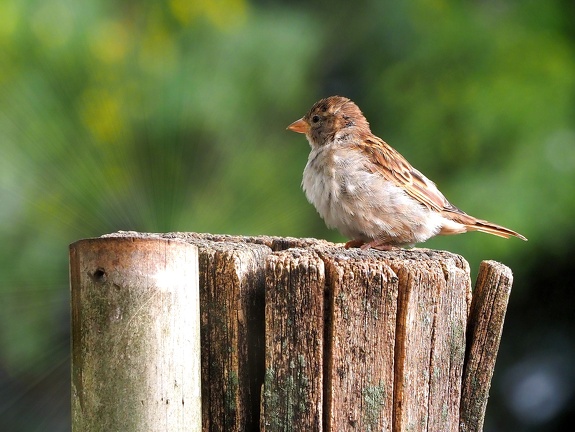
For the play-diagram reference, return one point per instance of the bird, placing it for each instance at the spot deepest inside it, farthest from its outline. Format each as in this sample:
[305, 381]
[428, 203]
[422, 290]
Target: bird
[367, 190]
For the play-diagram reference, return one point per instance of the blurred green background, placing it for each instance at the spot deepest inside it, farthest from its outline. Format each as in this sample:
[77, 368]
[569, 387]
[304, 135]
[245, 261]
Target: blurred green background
[171, 115]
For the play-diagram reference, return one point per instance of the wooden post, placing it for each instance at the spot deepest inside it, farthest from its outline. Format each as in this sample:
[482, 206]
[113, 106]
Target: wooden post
[430, 342]
[301, 334]
[362, 308]
[232, 299]
[293, 390]
[135, 335]
[490, 299]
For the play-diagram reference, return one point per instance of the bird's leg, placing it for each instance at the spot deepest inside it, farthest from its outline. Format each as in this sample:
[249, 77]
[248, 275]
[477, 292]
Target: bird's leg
[377, 244]
[354, 244]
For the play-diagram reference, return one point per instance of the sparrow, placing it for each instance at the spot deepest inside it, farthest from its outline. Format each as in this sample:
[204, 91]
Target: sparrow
[366, 189]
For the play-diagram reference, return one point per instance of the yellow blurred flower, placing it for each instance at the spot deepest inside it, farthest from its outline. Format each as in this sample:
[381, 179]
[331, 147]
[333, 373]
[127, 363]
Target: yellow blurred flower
[221, 13]
[101, 113]
[109, 41]
[9, 19]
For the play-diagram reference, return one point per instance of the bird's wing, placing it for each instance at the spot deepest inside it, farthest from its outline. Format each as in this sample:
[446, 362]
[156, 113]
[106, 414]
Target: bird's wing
[388, 162]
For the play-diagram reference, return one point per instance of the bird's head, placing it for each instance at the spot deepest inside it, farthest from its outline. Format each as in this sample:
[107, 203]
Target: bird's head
[327, 118]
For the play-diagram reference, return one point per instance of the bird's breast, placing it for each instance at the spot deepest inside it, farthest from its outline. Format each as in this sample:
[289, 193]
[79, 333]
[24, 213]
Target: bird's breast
[334, 181]
[320, 182]
[362, 204]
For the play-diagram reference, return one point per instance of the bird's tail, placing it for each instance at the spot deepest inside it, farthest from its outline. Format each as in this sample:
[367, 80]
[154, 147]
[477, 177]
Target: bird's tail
[472, 224]
[491, 228]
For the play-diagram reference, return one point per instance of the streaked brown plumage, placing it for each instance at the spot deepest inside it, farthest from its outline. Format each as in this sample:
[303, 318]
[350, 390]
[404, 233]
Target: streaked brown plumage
[367, 189]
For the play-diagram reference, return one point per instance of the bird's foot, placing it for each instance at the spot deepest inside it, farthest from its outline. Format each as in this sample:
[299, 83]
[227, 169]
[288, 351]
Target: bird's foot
[377, 244]
[354, 244]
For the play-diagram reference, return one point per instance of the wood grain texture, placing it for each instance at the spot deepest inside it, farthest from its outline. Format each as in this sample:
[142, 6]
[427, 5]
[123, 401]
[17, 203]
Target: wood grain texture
[360, 357]
[232, 311]
[448, 347]
[429, 353]
[490, 299]
[293, 392]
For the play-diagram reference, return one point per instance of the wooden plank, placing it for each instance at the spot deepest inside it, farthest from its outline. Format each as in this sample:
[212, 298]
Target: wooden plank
[232, 315]
[415, 326]
[490, 299]
[448, 348]
[360, 356]
[432, 312]
[293, 393]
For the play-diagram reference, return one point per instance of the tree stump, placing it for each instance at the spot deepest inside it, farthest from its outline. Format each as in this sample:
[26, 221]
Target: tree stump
[304, 335]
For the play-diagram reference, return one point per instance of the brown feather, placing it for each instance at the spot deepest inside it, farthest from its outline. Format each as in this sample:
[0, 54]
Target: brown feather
[473, 224]
[394, 167]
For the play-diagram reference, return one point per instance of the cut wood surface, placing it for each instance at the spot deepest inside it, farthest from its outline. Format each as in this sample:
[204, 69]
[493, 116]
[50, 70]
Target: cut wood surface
[302, 334]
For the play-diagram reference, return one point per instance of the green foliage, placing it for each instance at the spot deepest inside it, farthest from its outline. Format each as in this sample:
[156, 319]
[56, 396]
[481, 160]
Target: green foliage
[156, 117]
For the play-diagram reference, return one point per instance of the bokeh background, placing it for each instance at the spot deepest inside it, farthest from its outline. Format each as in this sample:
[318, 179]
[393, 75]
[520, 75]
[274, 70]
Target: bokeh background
[170, 116]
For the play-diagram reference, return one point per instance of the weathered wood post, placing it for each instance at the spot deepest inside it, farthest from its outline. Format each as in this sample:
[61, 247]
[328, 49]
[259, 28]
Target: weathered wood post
[135, 335]
[485, 326]
[393, 348]
[303, 335]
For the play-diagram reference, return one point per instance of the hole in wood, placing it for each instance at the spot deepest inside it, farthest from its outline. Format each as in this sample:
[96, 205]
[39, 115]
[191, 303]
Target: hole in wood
[99, 275]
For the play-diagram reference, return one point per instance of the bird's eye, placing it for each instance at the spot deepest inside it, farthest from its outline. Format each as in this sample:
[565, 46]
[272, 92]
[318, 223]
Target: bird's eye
[315, 119]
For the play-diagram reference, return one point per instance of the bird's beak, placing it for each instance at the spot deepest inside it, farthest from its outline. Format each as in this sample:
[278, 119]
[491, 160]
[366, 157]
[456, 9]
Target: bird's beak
[299, 126]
